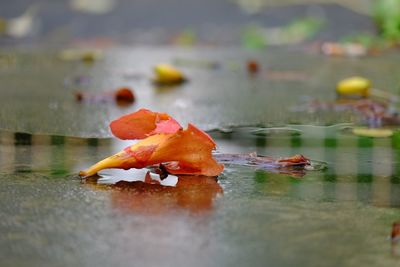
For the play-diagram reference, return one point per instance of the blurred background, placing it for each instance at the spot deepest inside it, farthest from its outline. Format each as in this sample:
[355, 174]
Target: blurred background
[53, 51]
[258, 75]
[248, 23]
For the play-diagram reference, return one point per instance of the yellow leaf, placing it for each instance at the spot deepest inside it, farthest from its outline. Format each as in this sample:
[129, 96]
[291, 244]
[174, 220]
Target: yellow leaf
[354, 86]
[372, 132]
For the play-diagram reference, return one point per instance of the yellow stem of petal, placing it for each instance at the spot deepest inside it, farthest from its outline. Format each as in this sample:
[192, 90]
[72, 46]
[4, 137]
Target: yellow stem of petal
[115, 161]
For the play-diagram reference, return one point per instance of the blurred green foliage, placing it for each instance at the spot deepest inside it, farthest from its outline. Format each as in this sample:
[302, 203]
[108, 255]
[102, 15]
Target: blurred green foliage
[255, 36]
[304, 28]
[387, 16]
[367, 40]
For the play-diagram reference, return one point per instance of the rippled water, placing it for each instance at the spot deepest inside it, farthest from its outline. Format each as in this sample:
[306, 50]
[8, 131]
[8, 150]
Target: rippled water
[340, 216]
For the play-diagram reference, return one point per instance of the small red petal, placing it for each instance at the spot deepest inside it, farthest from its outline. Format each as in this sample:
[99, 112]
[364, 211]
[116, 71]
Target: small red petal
[124, 95]
[143, 123]
[253, 66]
[166, 126]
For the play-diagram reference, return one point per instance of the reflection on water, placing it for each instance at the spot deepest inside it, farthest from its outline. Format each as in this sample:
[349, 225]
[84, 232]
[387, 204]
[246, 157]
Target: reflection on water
[339, 216]
[191, 193]
[359, 169]
[395, 236]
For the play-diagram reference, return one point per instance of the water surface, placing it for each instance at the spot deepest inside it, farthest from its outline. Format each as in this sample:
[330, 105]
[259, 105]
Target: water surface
[340, 216]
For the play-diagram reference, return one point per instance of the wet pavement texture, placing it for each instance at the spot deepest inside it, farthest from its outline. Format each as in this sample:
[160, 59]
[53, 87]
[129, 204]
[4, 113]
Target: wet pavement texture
[338, 216]
[40, 87]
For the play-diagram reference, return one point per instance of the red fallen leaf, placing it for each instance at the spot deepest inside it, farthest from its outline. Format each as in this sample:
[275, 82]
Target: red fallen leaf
[79, 96]
[124, 94]
[294, 165]
[143, 123]
[293, 161]
[121, 96]
[268, 162]
[253, 67]
[395, 235]
[184, 152]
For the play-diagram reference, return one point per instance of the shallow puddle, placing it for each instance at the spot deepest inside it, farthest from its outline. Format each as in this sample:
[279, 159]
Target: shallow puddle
[338, 216]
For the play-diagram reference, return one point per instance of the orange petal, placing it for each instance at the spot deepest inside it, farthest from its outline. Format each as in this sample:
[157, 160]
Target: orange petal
[185, 152]
[143, 123]
[190, 151]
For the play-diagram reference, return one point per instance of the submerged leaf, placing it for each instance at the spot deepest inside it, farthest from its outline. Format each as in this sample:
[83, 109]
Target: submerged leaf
[254, 159]
[295, 165]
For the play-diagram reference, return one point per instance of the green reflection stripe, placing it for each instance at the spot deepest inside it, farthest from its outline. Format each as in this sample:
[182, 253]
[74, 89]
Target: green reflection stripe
[261, 141]
[364, 168]
[295, 142]
[58, 156]
[48, 154]
[396, 158]
[330, 176]
[23, 153]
